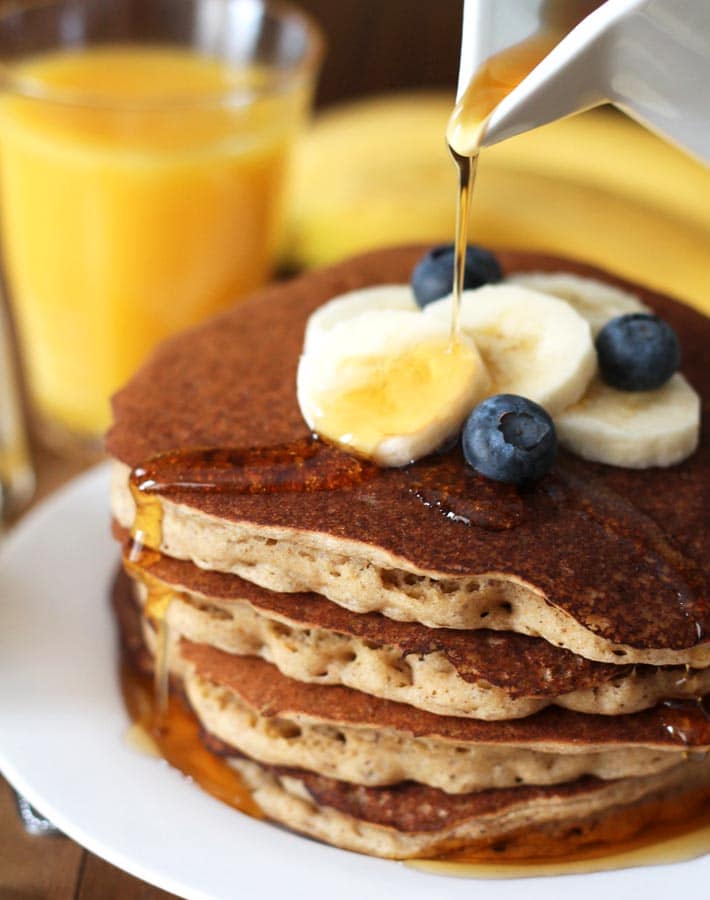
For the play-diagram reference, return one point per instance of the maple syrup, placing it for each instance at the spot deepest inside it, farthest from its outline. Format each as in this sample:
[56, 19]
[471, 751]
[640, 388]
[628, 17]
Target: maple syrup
[680, 719]
[496, 78]
[466, 166]
[175, 736]
[461, 495]
[679, 831]
[304, 465]
[396, 395]
[158, 598]
[490, 84]
[146, 538]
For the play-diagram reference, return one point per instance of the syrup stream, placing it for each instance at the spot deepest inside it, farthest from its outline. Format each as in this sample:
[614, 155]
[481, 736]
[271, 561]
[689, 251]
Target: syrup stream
[466, 166]
[495, 79]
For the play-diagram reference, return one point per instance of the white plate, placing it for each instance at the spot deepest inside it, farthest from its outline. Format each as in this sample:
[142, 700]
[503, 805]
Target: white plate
[62, 724]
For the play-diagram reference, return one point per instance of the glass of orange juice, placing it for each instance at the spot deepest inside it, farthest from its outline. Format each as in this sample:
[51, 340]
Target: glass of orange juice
[144, 146]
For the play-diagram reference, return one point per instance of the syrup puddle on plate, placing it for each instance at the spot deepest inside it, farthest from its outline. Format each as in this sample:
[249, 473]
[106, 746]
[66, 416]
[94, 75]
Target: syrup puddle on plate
[682, 840]
[174, 735]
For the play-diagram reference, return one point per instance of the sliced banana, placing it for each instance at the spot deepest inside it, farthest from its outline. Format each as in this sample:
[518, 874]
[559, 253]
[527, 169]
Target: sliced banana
[532, 344]
[389, 385]
[594, 300]
[633, 429]
[355, 303]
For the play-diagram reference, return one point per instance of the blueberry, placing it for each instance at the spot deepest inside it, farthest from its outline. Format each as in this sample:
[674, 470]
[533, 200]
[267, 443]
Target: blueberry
[510, 438]
[433, 276]
[637, 352]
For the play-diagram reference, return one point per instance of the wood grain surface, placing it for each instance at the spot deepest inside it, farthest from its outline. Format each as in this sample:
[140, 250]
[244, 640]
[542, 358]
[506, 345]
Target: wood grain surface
[372, 45]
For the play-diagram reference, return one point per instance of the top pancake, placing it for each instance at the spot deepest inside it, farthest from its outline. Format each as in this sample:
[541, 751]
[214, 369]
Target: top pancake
[620, 551]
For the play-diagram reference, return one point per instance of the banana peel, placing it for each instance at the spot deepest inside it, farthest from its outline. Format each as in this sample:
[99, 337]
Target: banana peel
[597, 187]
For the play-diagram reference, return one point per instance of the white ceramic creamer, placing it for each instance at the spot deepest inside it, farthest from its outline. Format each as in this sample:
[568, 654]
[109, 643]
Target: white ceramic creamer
[651, 58]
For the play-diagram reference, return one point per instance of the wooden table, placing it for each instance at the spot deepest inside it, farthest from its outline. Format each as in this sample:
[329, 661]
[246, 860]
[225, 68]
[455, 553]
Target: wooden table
[55, 868]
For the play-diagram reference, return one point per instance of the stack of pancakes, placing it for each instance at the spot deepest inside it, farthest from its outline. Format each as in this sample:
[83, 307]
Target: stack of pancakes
[394, 677]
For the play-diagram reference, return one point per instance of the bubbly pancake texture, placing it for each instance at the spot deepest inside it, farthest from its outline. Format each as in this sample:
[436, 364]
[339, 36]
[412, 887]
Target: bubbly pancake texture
[444, 671]
[409, 818]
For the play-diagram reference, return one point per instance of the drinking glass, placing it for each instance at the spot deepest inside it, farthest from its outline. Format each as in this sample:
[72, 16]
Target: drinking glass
[144, 147]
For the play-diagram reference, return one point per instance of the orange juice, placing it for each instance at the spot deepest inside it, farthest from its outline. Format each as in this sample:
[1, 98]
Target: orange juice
[142, 196]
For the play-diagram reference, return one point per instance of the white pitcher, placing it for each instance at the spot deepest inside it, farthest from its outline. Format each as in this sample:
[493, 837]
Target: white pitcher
[651, 58]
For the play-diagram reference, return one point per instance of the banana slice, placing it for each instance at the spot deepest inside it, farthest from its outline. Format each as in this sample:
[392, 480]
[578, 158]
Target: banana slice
[633, 429]
[532, 344]
[389, 385]
[355, 303]
[594, 300]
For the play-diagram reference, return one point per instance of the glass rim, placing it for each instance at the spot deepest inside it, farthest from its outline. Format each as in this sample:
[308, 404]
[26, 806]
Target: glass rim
[278, 80]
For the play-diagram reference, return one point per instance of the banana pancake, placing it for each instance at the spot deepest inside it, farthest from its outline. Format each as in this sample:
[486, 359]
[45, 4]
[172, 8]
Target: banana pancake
[485, 674]
[410, 819]
[607, 562]
[339, 732]
[684, 726]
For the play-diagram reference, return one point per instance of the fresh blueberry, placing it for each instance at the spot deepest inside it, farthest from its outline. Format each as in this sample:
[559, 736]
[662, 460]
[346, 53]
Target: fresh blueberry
[433, 276]
[510, 438]
[637, 352]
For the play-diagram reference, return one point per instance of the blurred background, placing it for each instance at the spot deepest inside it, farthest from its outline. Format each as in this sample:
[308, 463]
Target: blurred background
[597, 187]
[396, 45]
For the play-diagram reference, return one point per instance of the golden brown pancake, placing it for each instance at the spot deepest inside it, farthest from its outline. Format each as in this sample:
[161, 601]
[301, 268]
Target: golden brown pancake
[483, 674]
[622, 553]
[410, 819]
[533, 668]
[369, 752]
[683, 725]
[680, 724]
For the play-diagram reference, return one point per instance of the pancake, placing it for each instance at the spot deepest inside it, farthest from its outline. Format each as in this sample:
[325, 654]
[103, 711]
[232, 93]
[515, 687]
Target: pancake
[375, 756]
[343, 733]
[681, 726]
[444, 671]
[412, 821]
[607, 562]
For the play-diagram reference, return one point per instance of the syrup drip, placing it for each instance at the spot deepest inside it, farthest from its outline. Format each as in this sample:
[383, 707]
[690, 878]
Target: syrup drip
[159, 597]
[175, 735]
[146, 538]
[467, 498]
[496, 78]
[680, 721]
[147, 530]
[614, 512]
[302, 466]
